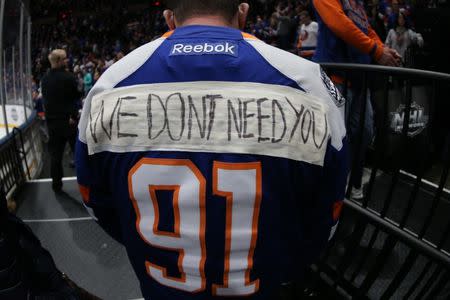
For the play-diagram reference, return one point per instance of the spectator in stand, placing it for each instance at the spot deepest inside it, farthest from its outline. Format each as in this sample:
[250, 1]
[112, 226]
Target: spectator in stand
[398, 6]
[377, 19]
[80, 81]
[402, 37]
[108, 62]
[97, 73]
[284, 29]
[98, 40]
[59, 89]
[94, 40]
[286, 20]
[119, 56]
[345, 36]
[273, 30]
[261, 28]
[88, 81]
[39, 107]
[307, 36]
[38, 104]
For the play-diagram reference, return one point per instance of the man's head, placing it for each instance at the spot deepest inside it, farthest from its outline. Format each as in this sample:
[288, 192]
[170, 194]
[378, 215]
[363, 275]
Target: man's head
[232, 13]
[35, 94]
[58, 58]
[401, 20]
[119, 56]
[305, 18]
[395, 6]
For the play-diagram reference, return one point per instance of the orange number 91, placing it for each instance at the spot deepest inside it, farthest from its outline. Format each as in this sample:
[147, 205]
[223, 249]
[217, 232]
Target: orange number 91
[238, 183]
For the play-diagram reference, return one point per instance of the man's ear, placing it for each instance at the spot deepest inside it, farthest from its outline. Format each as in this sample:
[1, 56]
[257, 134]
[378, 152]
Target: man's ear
[170, 20]
[242, 15]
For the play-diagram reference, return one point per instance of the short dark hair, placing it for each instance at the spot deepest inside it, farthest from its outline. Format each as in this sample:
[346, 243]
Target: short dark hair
[184, 9]
[305, 13]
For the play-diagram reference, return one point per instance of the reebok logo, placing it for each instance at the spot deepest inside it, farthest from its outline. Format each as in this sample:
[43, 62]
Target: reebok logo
[226, 48]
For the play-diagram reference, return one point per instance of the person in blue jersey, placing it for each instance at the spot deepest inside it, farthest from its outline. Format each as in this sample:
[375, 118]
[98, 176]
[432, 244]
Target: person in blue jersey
[218, 161]
[345, 36]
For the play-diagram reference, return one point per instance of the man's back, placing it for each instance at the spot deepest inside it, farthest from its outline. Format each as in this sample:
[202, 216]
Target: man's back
[216, 160]
[59, 89]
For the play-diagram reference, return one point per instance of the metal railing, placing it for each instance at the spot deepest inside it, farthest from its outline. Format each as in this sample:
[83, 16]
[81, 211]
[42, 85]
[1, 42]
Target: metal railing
[20, 155]
[11, 173]
[394, 243]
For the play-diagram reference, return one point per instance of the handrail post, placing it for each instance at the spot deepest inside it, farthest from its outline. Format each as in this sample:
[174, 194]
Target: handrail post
[22, 151]
[359, 102]
[29, 62]
[21, 52]
[13, 65]
[2, 77]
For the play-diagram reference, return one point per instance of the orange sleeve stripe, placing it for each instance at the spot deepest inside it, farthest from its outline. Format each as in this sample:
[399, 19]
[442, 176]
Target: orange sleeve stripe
[337, 209]
[85, 191]
[246, 35]
[167, 34]
[334, 17]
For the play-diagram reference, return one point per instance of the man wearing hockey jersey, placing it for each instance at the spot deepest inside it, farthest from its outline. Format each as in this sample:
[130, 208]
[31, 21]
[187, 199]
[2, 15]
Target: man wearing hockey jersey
[218, 161]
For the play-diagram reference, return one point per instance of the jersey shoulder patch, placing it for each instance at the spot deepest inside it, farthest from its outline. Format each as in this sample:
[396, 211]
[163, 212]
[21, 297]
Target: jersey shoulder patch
[337, 97]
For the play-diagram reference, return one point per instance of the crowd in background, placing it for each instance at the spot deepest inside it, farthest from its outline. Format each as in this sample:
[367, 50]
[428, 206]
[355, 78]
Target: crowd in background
[283, 26]
[50, 8]
[94, 41]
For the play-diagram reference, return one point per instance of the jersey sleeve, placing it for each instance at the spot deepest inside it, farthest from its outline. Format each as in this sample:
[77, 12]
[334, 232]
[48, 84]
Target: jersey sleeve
[320, 216]
[336, 165]
[96, 196]
[336, 169]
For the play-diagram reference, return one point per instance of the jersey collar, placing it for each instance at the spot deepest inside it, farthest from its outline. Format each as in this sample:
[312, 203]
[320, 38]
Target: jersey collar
[203, 31]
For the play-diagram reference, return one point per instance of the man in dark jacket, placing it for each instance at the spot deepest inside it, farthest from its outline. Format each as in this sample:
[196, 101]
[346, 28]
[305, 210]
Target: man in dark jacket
[60, 92]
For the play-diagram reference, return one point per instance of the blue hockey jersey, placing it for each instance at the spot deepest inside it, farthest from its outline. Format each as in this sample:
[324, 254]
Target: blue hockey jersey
[217, 160]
